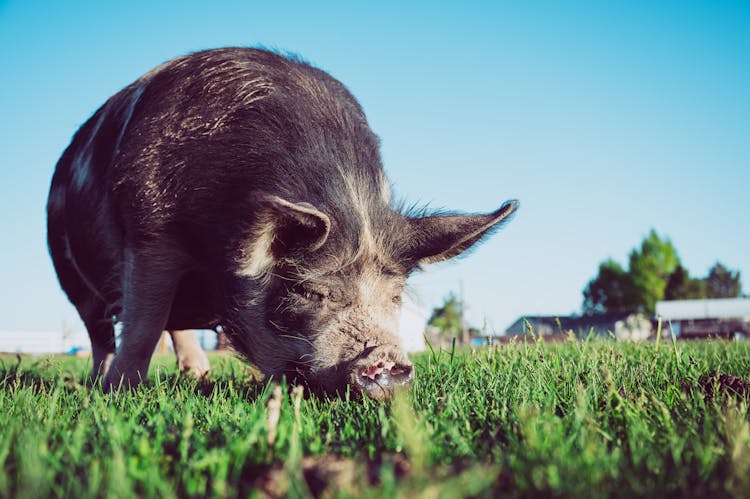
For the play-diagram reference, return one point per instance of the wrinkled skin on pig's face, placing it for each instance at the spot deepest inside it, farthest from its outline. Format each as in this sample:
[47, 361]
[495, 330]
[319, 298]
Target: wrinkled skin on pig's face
[349, 322]
[331, 327]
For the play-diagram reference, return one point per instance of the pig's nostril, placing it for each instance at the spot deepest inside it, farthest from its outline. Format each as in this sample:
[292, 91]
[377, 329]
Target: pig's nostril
[381, 379]
[377, 370]
[398, 371]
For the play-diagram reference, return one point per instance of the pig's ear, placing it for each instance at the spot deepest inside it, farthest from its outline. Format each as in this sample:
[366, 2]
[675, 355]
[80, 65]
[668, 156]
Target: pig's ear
[282, 227]
[440, 237]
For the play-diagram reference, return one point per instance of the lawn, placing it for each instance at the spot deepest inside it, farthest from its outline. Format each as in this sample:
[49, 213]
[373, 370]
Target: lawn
[577, 419]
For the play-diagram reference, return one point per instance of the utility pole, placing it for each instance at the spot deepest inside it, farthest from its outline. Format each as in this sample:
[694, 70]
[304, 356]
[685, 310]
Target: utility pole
[464, 330]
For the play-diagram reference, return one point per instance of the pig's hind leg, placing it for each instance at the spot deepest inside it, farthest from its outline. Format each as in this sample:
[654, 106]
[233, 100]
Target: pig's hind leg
[149, 281]
[191, 359]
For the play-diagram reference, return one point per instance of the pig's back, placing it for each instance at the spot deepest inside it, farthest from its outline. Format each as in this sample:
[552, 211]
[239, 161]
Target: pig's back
[213, 130]
[188, 150]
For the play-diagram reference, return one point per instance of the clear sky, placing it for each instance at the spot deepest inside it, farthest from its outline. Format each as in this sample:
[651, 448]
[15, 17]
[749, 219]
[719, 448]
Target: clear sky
[604, 118]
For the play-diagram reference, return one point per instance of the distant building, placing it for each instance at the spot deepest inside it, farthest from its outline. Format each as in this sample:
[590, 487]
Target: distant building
[623, 325]
[42, 342]
[722, 318]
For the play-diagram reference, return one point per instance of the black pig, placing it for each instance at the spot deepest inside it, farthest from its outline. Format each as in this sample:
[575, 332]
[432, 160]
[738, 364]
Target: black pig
[241, 188]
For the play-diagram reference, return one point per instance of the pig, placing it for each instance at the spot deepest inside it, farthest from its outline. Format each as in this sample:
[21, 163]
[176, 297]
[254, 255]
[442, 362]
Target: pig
[243, 188]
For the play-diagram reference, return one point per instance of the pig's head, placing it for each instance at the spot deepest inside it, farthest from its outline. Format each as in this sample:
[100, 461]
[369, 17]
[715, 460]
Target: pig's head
[321, 292]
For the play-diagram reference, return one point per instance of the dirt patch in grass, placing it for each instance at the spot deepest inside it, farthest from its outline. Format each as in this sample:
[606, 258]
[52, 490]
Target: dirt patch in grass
[333, 476]
[330, 475]
[715, 383]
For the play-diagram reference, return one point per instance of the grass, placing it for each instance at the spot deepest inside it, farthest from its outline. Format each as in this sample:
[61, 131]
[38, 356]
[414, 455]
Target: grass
[578, 419]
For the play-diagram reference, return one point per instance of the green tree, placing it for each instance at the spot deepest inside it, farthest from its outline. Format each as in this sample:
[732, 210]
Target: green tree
[638, 288]
[650, 267]
[722, 282]
[681, 286]
[447, 317]
[654, 273]
[612, 290]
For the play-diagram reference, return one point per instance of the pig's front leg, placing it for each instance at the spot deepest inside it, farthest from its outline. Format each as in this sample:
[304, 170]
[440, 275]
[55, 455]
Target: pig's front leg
[150, 279]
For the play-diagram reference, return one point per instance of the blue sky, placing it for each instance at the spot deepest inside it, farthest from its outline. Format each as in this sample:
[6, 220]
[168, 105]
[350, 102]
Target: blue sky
[604, 118]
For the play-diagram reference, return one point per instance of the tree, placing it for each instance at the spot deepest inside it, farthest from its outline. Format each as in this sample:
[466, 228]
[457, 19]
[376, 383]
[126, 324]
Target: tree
[654, 273]
[683, 287]
[639, 288]
[651, 268]
[447, 317]
[722, 282]
[612, 290]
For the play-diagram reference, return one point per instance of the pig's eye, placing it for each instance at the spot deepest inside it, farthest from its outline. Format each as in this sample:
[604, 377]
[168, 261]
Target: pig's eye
[396, 299]
[309, 294]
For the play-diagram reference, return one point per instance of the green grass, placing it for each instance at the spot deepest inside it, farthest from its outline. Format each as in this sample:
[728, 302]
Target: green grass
[579, 419]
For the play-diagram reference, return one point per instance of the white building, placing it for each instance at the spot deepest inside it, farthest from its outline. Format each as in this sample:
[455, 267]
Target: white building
[717, 308]
[42, 342]
[724, 317]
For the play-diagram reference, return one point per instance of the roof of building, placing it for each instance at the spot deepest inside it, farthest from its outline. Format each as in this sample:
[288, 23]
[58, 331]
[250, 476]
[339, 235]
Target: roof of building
[718, 308]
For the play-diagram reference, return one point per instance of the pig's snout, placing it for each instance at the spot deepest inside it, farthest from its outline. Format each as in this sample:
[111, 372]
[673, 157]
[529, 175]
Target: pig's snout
[381, 372]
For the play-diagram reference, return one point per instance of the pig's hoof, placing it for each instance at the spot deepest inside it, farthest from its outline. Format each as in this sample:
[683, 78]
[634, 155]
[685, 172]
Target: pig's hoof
[194, 364]
[379, 380]
[116, 381]
[101, 365]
